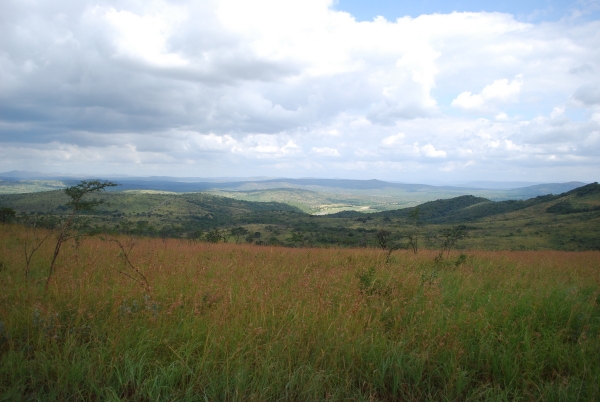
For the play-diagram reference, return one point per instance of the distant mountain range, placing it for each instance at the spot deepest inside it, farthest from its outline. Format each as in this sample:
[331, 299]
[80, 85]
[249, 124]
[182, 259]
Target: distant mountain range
[25, 175]
[519, 189]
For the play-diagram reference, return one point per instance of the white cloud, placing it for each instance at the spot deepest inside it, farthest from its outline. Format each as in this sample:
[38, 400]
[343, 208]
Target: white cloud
[500, 91]
[145, 36]
[266, 146]
[237, 87]
[430, 152]
[212, 142]
[393, 140]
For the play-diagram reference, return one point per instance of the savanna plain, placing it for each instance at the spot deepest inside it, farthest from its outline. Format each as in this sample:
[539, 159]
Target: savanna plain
[137, 319]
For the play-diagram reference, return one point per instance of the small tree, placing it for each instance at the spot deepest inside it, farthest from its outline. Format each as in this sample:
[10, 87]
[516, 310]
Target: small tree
[383, 238]
[414, 217]
[297, 237]
[214, 236]
[450, 236]
[7, 215]
[237, 233]
[78, 204]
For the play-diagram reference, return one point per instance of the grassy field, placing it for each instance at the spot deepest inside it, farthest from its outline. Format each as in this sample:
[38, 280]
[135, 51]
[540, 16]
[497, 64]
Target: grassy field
[29, 186]
[326, 200]
[246, 322]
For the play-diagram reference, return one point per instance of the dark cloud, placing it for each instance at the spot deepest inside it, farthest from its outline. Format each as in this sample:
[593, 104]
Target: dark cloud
[582, 69]
[588, 94]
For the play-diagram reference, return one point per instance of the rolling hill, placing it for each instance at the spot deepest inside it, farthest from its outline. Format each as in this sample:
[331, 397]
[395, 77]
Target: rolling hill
[313, 196]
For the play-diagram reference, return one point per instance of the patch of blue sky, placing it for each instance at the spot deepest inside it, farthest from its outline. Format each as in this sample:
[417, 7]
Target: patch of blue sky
[578, 115]
[526, 11]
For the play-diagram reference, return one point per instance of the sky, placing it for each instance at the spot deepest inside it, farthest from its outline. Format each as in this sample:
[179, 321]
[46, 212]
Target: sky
[419, 91]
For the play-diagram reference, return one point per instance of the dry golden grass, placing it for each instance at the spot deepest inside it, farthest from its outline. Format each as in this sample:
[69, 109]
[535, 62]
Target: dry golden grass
[232, 322]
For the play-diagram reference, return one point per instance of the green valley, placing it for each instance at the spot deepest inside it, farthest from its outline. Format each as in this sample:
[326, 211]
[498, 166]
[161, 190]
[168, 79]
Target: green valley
[568, 221]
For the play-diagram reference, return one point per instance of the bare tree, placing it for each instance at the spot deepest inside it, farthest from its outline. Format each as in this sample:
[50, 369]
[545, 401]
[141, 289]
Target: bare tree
[413, 237]
[141, 278]
[78, 205]
[31, 246]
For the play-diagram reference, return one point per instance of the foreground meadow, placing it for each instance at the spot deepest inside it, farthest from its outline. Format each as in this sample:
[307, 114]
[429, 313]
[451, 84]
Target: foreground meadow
[244, 322]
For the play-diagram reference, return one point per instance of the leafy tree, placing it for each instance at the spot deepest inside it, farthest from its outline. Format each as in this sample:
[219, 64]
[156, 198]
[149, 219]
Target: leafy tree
[237, 233]
[77, 204]
[297, 237]
[449, 238]
[383, 238]
[213, 236]
[7, 214]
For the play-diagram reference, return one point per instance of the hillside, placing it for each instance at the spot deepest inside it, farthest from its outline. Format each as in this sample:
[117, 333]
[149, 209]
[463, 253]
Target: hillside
[150, 213]
[313, 196]
[570, 220]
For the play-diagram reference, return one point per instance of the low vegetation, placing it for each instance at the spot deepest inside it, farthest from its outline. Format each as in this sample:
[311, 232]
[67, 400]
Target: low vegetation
[221, 312]
[244, 322]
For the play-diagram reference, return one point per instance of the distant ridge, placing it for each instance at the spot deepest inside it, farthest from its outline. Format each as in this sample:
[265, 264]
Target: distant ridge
[498, 185]
[202, 183]
[25, 175]
[20, 182]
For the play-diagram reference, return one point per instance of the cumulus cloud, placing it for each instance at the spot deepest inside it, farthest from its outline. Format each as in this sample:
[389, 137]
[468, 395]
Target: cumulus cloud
[393, 140]
[500, 91]
[430, 152]
[231, 87]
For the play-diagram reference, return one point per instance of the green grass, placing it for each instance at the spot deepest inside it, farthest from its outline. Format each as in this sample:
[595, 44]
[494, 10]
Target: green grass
[227, 322]
[29, 186]
[323, 201]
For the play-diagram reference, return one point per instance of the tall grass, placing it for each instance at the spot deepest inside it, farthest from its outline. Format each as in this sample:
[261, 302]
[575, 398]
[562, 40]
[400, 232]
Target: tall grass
[227, 322]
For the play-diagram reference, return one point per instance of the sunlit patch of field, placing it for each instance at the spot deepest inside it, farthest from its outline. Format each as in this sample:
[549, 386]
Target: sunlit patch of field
[148, 192]
[29, 186]
[323, 200]
[243, 322]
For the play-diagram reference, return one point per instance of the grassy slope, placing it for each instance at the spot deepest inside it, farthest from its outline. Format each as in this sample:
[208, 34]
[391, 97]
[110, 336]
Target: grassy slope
[568, 221]
[320, 199]
[314, 196]
[321, 202]
[227, 322]
[29, 186]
